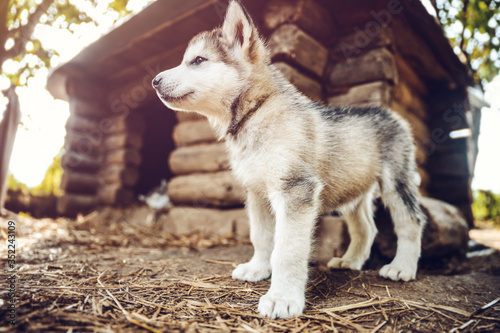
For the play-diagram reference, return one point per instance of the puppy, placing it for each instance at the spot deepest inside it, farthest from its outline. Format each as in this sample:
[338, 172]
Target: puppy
[297, 160]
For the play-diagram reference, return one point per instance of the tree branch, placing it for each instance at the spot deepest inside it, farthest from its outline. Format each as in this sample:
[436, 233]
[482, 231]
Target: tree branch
[4, 7]
[26, 31]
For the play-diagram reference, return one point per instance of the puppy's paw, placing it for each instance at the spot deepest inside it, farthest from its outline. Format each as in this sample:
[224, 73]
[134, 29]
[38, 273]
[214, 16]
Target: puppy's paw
[397, 272]
[252, 272]
[281, 305]
[341, 263]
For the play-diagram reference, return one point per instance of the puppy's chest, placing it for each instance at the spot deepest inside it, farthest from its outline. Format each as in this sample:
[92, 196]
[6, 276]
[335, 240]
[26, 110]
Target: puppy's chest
[252, 163]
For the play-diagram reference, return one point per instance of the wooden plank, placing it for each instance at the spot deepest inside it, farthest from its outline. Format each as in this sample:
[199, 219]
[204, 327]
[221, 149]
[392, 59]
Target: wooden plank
[293, 45]
[373, 65]
[124, 156]
[119, 174]
[70, 204]
[209, 221]
[218, 189]
[308, 86]
[199, 158]
[78, 162]
[115, 194]
[374, 94]
[79, 182]
[122, 140]
[307, 14]
[193, 132]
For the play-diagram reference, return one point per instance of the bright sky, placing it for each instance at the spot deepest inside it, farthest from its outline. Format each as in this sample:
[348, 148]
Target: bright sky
[42, 134]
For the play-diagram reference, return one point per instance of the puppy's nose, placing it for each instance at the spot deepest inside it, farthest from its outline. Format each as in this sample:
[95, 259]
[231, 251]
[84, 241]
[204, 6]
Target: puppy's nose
[156, 81]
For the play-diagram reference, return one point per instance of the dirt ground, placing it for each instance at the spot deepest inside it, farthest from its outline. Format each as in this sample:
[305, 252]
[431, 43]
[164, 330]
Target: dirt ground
[78, 276]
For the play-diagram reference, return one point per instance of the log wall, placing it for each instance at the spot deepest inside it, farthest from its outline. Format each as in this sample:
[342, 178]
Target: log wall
[100, 166]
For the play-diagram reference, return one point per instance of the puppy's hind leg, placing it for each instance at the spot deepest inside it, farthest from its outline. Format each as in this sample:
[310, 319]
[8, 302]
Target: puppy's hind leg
[400, 196]
[362, 231]
[261, 234]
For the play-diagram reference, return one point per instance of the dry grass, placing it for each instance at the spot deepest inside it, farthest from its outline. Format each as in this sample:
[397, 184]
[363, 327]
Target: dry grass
[79, 277]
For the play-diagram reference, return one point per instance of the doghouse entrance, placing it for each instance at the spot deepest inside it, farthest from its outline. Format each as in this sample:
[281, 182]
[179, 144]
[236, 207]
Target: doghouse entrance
[157, 146]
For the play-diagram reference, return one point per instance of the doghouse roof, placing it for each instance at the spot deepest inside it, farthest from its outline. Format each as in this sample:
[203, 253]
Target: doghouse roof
[162, 30]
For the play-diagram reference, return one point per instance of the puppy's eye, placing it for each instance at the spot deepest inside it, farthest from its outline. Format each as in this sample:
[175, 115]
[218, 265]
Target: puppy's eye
[198, 60]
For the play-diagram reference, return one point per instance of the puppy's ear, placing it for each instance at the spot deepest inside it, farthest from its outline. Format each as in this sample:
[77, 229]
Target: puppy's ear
[238, 27]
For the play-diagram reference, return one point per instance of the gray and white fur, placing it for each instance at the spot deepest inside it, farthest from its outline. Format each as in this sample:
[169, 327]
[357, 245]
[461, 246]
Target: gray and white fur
[297, 160]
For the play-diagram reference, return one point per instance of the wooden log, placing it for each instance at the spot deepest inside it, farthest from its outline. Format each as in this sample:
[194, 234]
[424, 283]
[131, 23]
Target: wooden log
[86, 108]
[193, 132]
[414, 80]
[70, 204]
[79, 162]
[446, 231]
[81, 123]
[82, 144]
[307, 14]
[357, 43]
[188, 116]
[115, 194]
[79, 182]
[186, 220]
[218, 189]
[419, 129]
[293, 45]
[309, 87]
[123, 140]
[407, 97]
[124, 156]
[374, 65]
[332, 238]
[374, 94]
[119, 174]
[199, 158]
[133, 122]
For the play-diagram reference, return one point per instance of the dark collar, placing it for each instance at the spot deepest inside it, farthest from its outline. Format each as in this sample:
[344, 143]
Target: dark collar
[235, 126]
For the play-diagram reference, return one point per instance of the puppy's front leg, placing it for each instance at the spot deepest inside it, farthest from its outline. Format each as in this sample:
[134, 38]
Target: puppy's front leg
[296, 210]
[261, 235]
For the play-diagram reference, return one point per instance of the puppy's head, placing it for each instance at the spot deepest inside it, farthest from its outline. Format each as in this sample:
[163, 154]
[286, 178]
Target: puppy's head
[216, 67]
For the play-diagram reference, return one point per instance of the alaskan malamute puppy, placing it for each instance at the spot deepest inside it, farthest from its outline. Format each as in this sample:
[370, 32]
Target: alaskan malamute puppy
[297, 159]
